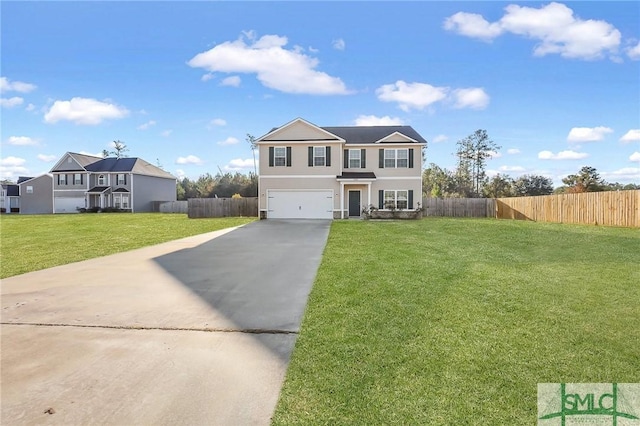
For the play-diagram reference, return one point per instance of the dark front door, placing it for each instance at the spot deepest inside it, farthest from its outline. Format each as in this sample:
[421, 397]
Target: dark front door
[354, 203]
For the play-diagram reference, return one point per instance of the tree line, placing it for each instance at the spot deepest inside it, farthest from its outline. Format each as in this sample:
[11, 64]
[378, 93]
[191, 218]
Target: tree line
[469, 179]
[221, 185]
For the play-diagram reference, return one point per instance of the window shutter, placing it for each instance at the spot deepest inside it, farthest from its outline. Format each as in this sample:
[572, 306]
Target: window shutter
[411, 158]
[381, 158]
[271, 154]
[381, 199]
[327, 153]
[363, 158]
[288, 156]
[66, 179]
[125, 179]
[411, 198]
[346, 158]
[81, 179]
[58, 179]
[310, 156]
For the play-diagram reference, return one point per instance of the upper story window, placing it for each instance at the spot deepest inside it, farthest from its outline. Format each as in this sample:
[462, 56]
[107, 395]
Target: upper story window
[319, 156]
[77, 179]
[102, 180]
[396, 158]
[62, 179]
[122, 180]
[280, 156]
[29, 189]
[354, 158]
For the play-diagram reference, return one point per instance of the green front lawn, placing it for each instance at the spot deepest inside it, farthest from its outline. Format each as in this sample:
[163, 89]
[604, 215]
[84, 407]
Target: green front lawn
[456, 321]
[33, 242]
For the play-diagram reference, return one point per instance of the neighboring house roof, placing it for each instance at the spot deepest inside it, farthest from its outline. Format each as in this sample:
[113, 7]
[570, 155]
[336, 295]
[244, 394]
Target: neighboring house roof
[372, 134]
[133, 165]
[23, 179]
[83, 159]
[121, 190]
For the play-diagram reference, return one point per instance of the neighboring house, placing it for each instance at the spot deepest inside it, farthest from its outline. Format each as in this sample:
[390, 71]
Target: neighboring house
[9, 198]
[85, 181]
[315, 172]
[36, 196]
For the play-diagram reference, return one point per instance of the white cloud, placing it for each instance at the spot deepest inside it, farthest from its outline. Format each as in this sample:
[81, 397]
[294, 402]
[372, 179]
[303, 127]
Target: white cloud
[411, 95]
[146, 125]
[229, 141]
[218, 122]
[21, 140]
[12, 161]
[166, 133]
[472, 25]
[474, 97]
[494, 154]
[99, 154]
[553, 26]
[440, 138]
[339, 44]
[632, 135]
[11, 102]
[189, 159]
[418, 96]
[516, 169]
[180, 174]
[562, 155]
[276, 67]
[372, 120]
[15, 86]
[239, 164]
[633, 52]
[12, 167]
[513, 151]
[208, 76]
[588, 134]
[30, 107]
[47, 158]
[635, 156]
[84, 111]
[233, 81]
[625, 174]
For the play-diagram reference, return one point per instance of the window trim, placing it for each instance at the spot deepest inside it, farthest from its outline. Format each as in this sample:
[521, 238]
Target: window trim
[29, 189]
[77, 181]
[396, 199]
[62, 179]
[396, 158]
[317, 157]
[124, 179]
[277, 157]
[101, 178]
[359, 159]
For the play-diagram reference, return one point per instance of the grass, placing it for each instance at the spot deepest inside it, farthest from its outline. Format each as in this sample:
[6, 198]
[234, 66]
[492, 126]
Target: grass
[454, 321]
[33, 242]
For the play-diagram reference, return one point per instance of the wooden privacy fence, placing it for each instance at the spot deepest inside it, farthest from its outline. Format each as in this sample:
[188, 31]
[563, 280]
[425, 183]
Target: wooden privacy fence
[223, 207]
[612, 208]
[459, 207]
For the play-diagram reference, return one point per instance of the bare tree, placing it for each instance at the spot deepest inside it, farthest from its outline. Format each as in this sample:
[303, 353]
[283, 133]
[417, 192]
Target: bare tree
[473, 153]
[119, 148]
[252, 143]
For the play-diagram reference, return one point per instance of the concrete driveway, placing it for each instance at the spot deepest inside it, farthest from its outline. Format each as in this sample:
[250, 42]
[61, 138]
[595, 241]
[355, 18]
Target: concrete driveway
[197, 331]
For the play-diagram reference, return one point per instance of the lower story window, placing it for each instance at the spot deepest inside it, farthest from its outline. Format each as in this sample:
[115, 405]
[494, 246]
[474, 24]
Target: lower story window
[396, 199]
[121, 201]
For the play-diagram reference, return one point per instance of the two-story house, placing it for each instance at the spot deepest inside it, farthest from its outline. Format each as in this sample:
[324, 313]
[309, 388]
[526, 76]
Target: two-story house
[85, 181]
[315, 172]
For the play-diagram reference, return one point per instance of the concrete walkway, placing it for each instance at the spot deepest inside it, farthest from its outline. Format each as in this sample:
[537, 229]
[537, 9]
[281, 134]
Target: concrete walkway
[197, 331]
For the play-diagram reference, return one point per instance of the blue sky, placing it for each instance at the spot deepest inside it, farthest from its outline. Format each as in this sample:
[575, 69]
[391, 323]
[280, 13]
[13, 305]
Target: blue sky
[556, 85]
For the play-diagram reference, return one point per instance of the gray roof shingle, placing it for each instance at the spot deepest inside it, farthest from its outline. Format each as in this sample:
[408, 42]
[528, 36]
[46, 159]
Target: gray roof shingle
[372, 134]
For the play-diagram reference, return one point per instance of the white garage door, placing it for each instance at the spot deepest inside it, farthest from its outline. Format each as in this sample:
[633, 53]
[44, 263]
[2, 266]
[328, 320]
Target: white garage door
[67, 204]
[300, 204]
